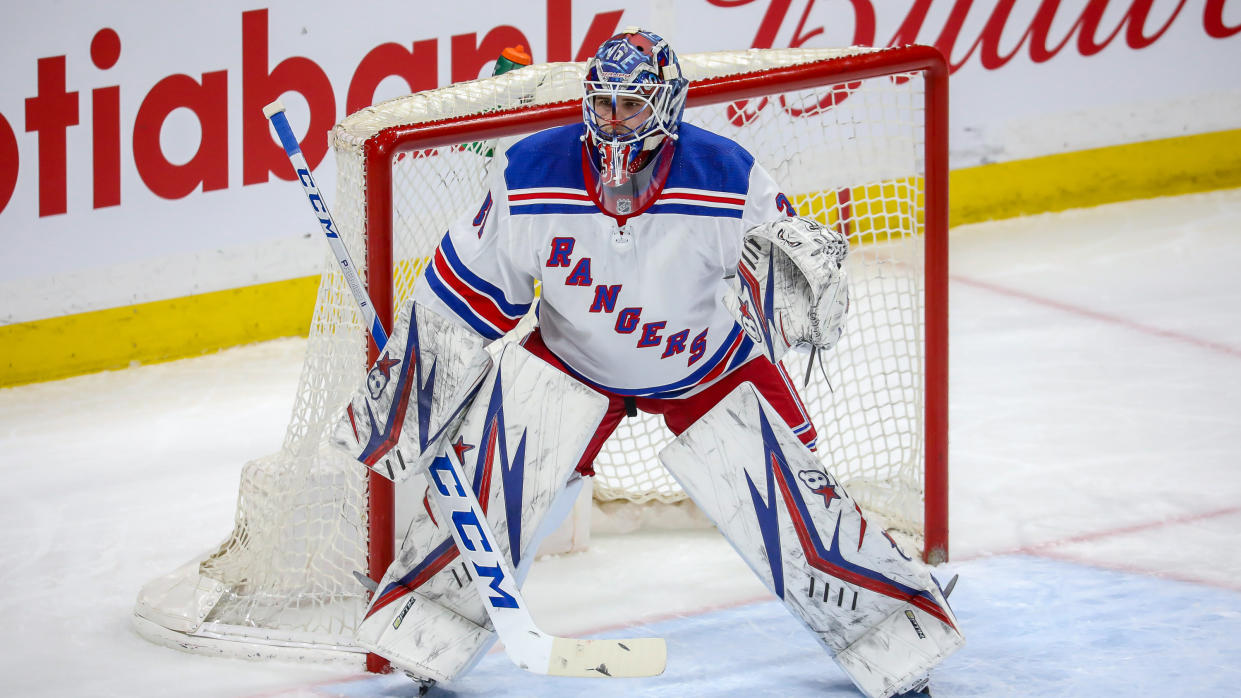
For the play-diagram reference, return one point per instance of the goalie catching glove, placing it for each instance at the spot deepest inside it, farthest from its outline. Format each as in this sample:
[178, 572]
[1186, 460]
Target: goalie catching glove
[791, 287]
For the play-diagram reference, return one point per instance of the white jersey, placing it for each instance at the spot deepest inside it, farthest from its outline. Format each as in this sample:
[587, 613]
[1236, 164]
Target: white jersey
[638, 313]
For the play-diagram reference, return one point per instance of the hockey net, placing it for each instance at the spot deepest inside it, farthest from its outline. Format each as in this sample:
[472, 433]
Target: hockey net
[856, 138]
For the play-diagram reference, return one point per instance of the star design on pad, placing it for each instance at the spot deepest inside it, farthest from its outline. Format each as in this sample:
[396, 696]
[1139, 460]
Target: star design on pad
[461, 447]
[828, 492]
[385, 364]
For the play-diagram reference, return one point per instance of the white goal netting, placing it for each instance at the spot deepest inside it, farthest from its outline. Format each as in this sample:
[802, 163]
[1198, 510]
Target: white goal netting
[848, 153]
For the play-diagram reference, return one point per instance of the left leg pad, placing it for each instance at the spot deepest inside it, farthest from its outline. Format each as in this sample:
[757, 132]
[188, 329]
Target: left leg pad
[875, 609]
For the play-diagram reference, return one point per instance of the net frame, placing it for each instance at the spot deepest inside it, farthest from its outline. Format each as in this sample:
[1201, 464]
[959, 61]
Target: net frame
[350, 518]
[381, 149]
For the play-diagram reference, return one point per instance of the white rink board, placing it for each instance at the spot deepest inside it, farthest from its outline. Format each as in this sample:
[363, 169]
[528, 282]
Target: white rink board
[149, 248]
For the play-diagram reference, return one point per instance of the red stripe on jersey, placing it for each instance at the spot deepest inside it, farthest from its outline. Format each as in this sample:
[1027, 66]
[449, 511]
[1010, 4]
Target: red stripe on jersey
[549, 195]
[703, 197]
[481, 304]
[723, 364]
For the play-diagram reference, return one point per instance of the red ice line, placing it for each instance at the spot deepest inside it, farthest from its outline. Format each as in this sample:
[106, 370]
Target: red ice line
[1102, 317]
[1041, 549]
[1045, 549]
[1038, 548]
[1048, 548]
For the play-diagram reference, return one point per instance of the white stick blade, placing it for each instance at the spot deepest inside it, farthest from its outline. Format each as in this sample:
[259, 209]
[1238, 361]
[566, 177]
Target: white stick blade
[633, 657]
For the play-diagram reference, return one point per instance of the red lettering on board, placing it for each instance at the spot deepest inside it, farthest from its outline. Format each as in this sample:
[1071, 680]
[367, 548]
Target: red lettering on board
[209, 166]
[50, 114]
[259, 88]
[419, 67]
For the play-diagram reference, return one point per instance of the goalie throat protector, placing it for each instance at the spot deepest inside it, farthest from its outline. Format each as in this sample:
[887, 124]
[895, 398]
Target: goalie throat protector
[632, 107]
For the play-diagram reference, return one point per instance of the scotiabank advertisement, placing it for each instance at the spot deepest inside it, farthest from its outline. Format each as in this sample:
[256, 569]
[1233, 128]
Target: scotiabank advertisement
[136, 164]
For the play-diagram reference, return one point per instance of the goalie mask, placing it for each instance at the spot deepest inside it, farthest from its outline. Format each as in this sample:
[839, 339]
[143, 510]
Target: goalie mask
[634, 99]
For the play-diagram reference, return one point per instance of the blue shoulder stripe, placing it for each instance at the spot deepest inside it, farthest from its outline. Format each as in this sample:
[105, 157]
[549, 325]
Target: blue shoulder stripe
[477, 282]
[460, 307]
[691, 210]
[536, 209]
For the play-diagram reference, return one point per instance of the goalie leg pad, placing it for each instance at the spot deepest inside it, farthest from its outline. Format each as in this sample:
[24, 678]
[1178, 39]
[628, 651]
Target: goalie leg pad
[413, 395]
[876, 610]
[518, 446]
[432, 642]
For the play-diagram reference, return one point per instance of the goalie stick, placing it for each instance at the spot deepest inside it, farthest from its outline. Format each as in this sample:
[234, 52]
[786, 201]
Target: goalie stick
[525, 644]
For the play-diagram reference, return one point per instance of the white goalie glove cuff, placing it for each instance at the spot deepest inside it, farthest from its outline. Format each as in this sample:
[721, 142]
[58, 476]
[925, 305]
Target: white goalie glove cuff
[791, 287]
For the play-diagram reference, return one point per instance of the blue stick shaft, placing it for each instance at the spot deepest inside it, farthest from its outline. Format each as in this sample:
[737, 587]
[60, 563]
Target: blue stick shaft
[275, 113]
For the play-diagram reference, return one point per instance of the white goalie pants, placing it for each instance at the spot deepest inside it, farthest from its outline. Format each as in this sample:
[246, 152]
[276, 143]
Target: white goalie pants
[518, 444]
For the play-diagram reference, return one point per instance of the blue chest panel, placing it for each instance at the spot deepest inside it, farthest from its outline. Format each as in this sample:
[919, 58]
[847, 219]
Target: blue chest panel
[703, 161]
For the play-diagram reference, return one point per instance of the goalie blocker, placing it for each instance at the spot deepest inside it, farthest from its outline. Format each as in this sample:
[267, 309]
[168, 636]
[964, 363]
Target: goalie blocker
[878, 612]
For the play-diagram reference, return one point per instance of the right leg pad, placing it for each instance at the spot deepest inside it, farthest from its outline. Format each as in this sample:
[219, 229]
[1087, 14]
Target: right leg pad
[518, 446]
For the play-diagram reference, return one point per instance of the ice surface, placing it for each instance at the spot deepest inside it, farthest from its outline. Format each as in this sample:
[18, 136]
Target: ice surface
[1096, 497]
